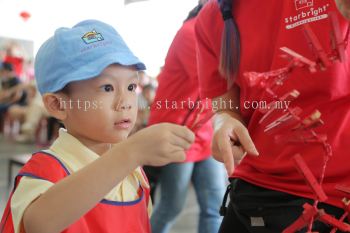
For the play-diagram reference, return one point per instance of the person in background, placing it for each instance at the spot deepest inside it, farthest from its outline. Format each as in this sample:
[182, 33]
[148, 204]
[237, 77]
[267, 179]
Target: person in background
[31, 117]
[145, 101]
[12, 91]
[15, 55]
[178, 82]
[240, 44]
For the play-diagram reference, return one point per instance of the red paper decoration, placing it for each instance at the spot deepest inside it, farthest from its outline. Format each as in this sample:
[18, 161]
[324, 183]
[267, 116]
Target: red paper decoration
[25, 15]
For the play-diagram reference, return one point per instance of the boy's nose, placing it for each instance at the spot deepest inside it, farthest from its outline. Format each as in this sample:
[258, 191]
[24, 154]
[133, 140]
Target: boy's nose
[122, 102]
[122, 106]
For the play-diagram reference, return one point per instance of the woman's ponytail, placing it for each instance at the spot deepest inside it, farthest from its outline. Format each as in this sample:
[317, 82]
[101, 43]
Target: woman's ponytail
[230, 44]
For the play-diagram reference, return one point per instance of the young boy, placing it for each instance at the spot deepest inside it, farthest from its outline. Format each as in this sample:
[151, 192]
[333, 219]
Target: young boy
[83, 183]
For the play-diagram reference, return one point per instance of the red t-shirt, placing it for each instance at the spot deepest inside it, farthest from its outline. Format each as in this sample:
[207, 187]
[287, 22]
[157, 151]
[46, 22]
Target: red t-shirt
[265, 26]
[17, 63]
[178, 91]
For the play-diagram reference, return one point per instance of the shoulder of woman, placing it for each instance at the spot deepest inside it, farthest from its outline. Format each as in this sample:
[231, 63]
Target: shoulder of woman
[210, 9]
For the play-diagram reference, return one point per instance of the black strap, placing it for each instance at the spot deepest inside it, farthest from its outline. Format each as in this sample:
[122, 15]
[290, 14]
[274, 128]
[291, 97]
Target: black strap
[223, 208]
[227, 15]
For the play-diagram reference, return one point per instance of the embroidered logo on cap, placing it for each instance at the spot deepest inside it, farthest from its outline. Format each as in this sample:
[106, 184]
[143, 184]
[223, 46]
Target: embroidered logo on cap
[92, 37]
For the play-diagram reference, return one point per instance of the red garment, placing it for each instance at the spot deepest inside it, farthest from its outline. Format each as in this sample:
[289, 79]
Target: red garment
[178, 81]
[265, 26]
[106, 217]
[17, 63]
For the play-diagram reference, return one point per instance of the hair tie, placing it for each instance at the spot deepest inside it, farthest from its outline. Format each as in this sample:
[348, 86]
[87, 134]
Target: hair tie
[227, 14]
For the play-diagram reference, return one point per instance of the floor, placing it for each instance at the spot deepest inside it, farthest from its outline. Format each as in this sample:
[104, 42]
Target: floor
[186, 222]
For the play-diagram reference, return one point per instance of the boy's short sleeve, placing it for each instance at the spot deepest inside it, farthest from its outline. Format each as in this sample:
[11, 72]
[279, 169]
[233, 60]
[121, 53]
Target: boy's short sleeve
[26, 192]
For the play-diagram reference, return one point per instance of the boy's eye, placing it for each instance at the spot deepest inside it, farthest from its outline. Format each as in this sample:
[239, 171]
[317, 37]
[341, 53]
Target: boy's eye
[132, 87]
[107, 88]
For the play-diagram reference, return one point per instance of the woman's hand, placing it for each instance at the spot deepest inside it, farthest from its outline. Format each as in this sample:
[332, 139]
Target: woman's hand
[231, 141]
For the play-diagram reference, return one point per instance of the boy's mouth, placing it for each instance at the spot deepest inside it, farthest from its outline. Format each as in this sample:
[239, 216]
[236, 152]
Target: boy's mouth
[123, 124]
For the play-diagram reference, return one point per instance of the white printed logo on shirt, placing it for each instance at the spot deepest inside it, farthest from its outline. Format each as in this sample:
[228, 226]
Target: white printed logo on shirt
[306, 13]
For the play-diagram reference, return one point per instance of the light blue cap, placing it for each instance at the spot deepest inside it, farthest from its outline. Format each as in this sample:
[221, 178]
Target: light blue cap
[80, 53]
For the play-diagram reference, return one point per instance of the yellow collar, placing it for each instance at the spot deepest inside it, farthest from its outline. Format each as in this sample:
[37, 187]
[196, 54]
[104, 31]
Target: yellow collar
[75, 155]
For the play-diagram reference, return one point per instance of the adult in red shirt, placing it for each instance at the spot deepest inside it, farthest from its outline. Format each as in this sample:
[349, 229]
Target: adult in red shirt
[177, 101]
[240, 64]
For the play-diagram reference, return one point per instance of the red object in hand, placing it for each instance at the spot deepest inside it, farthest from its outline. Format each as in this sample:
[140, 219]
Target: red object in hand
[25, 15]
[197, 124]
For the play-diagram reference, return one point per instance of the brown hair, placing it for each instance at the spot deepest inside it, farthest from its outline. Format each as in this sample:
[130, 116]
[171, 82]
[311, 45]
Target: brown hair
[195, 11]
[230, 44]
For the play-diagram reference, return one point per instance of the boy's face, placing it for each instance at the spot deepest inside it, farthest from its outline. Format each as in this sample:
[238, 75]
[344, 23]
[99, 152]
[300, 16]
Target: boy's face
[102, 109]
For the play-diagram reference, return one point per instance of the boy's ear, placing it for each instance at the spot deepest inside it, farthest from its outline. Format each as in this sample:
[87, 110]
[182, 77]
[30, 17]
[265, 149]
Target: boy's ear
[55, 104]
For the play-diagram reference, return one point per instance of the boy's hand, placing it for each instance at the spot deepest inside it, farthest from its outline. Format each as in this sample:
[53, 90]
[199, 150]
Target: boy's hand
[344, 7]
[231, 142]
[160, 144]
